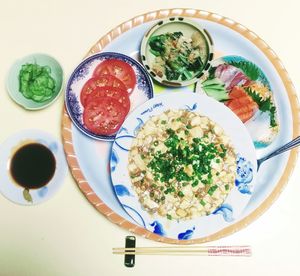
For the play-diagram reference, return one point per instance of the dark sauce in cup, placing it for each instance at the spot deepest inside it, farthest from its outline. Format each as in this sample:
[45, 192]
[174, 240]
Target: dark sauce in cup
[32, 166]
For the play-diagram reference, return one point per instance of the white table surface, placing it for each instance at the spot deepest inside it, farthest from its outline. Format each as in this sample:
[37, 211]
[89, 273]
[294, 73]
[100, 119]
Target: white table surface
[66, 235]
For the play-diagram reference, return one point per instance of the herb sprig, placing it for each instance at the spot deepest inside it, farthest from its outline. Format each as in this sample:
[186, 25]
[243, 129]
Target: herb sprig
[264, 105]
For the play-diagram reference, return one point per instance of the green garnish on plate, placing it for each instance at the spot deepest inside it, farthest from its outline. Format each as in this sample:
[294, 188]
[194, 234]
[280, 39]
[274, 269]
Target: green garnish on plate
[172, 163]
[264, 105]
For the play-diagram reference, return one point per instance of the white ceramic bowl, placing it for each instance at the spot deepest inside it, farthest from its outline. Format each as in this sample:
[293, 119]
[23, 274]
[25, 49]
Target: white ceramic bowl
[15, 192]
[170, 25]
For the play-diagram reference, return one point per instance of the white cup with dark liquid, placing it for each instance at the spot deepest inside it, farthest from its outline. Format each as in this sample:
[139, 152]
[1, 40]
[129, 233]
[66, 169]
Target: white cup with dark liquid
[32, 167]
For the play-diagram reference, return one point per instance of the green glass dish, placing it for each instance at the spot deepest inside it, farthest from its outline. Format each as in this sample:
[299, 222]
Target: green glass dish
[13, 83]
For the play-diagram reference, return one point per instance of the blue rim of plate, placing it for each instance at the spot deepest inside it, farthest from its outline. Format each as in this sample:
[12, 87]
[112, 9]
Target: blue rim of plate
[81, 71]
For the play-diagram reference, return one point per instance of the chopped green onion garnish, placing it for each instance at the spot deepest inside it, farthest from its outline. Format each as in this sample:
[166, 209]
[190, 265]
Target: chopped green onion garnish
[169, 217]
[202, 202]
[181, 194]
[195, 183]
[212, 190]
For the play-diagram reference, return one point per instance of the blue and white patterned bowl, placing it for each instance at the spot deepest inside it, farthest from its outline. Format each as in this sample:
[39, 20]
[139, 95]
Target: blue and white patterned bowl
[237, 199]
[142, 92]
[16, 193]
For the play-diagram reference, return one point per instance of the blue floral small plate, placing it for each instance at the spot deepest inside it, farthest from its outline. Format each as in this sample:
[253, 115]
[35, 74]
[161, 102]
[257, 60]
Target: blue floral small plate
[236, 200]
[142, 92]
[13, 191]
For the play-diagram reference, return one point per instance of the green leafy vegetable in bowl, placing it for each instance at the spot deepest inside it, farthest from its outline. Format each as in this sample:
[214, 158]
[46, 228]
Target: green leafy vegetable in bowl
[178, 57]
[36, 83]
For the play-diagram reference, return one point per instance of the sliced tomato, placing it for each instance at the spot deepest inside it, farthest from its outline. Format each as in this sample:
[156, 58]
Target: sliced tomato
[119, 94]
[120, 69]
[99, 81]
[103, 116]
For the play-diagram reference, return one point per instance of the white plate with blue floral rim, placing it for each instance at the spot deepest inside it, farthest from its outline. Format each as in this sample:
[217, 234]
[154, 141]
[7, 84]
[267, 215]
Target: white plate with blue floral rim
[236, 71]
[236, 200]
[18, 194]
[142, 92]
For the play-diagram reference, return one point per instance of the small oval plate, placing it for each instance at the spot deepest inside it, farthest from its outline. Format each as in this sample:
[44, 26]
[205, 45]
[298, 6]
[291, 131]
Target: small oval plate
[230, 71]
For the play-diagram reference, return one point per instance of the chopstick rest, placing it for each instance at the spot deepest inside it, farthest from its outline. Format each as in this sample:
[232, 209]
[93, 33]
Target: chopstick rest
[129, 259]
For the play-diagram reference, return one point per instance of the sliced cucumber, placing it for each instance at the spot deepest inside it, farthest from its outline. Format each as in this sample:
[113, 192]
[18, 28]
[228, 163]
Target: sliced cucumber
[36, 83]
[212, 82]
[217, 95]
[216, 89]
[38, 98]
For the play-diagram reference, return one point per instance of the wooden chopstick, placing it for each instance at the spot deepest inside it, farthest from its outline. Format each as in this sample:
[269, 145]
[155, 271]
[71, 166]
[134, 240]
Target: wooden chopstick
[244, 251]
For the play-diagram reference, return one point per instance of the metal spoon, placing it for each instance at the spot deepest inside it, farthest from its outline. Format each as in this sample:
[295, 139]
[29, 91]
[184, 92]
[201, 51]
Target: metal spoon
[290, 145]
